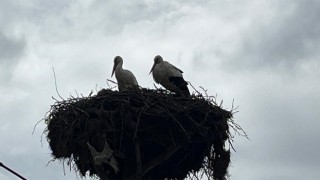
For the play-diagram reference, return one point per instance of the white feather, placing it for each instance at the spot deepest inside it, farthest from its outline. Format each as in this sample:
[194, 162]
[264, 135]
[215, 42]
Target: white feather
[125, 78]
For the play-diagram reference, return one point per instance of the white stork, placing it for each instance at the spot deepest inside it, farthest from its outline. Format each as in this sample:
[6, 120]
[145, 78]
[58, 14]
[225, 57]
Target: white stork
[169, 76]
[125, 78]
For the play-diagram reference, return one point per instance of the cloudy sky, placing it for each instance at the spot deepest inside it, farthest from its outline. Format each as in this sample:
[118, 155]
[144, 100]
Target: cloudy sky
[264, 54]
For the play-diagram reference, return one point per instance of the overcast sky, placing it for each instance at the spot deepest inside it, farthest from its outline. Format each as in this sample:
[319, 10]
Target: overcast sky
[265, 54]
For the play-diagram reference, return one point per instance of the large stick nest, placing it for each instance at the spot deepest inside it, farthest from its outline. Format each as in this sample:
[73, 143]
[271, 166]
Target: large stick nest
[152, 134]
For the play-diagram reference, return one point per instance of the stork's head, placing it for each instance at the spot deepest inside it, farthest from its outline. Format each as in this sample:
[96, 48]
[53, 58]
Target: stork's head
[158, 59]
[117, 60]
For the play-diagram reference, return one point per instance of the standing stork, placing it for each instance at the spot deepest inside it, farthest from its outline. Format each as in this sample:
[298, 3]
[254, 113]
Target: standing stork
[125, 78]
[169, 76]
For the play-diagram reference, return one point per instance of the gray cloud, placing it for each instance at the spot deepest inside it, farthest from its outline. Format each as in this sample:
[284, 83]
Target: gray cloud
[114, 17]
[110, 18]
[282, 38]
[262, 53]
[281, 117]
[291, 37]
[11, 50]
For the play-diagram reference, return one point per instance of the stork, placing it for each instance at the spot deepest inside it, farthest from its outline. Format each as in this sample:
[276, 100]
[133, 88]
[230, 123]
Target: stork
[169, 76]
[125, 78]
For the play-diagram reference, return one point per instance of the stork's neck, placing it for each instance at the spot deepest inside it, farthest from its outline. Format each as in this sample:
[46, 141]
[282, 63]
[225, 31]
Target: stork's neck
[119, 66]
[160, 64]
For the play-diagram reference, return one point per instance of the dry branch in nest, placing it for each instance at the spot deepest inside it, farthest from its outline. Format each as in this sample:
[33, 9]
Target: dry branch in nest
[140, 134]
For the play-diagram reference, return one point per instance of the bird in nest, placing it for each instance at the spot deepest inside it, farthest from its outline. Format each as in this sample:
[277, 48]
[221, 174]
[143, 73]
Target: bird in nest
[169, 76]
[125, 78]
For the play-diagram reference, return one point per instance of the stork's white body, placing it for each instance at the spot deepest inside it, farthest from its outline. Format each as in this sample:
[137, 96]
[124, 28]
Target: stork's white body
[167, 75]
[163, 71]
[125, 78]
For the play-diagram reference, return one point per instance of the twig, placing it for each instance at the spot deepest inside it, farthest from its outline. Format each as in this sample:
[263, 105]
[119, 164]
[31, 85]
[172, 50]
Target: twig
[52, 160]
[55, 82]
[112, 81]
[159, 159]
[34, 127]
[194, 88]
[205, 91]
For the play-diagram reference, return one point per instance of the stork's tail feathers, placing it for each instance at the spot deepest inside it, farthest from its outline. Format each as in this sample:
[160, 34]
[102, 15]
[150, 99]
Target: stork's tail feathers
[181, 84]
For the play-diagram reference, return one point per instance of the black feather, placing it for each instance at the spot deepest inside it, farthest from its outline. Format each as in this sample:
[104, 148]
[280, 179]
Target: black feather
[181, 84]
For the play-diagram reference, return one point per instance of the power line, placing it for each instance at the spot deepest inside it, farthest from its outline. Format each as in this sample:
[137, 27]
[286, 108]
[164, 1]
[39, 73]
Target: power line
[12, 171]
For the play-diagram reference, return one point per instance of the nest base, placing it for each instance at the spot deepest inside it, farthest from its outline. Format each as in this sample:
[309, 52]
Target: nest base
[152, 134]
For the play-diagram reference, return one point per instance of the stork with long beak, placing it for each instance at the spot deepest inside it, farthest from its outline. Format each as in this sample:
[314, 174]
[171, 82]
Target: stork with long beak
[169, 76]
[125, 78]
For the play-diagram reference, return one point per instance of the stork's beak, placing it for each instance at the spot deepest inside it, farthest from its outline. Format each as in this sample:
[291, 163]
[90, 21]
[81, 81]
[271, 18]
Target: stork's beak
[152, 68]
[113, 69]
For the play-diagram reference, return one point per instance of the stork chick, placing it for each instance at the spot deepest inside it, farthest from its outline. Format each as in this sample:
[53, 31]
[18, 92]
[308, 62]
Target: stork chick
[169, 76]
[125, 78]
